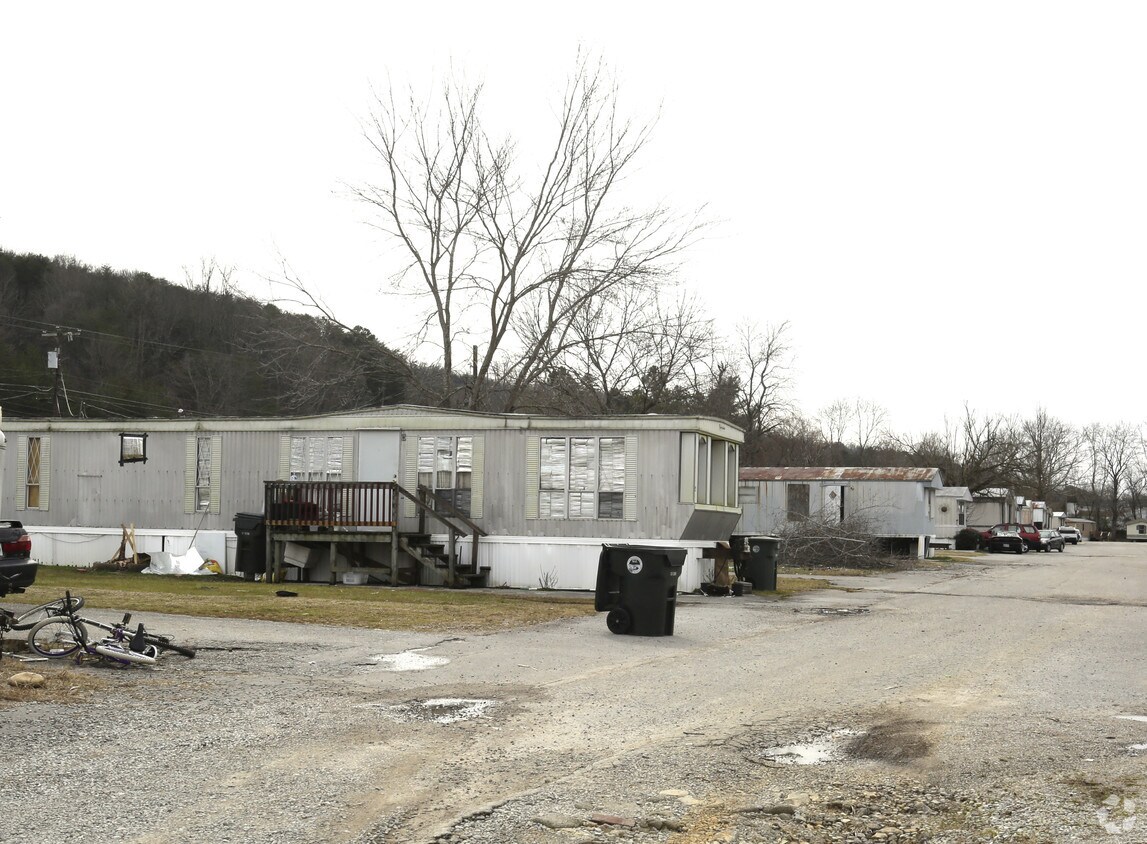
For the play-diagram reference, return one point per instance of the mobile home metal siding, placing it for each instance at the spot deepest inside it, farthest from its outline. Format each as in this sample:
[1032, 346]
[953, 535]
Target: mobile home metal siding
[90, 488]
[891, 502]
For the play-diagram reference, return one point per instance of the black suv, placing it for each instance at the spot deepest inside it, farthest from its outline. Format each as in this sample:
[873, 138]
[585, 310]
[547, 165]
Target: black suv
[16, 563]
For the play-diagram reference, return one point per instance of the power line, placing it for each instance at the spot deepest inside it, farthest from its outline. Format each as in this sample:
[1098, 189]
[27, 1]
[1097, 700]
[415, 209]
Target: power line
[34, 325]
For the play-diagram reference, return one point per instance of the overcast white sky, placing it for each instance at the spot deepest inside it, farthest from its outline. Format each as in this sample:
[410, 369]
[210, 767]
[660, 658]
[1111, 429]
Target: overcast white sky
[946, 201]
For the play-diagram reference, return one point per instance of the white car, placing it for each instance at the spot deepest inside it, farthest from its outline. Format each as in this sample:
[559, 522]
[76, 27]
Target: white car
[1071, 535]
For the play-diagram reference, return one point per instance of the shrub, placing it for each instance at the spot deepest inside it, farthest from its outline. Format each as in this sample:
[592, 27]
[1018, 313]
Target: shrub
[967, 540]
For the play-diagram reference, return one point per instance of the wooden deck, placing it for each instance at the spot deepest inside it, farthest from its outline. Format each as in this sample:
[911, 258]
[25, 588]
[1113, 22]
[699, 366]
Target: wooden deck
[347, 515]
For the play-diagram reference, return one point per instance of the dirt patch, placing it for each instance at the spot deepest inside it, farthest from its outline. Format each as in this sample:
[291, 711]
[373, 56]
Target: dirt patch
[898, 742]
[61, 685]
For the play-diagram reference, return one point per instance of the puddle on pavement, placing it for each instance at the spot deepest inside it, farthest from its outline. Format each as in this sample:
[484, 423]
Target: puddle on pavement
[409, 661]
[840, 610]
[1132, 717]
[809, 751]
[438, 710]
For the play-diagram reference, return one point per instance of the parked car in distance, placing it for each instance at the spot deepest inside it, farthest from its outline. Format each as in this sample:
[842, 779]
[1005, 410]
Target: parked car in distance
[16, 562]
[1050, 540]
[1071, 535]
[1029, 533]
[1006, 540]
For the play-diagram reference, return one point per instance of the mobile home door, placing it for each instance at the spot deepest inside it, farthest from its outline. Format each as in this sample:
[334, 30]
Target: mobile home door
[378, 455]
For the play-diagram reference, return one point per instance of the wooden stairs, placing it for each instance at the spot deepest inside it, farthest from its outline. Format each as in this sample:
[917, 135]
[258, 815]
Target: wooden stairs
[434, 556]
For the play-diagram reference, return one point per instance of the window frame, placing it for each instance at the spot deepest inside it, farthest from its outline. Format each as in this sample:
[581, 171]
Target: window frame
[792, 513]
[444, 455]
[307, 471]
[699, 482]
[33, 466]
[133, 457]
[202, 492]
[575, 465]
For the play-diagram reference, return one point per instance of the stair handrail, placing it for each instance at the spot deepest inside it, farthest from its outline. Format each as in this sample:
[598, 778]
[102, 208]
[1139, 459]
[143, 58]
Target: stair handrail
[451, 510]
[453, 530]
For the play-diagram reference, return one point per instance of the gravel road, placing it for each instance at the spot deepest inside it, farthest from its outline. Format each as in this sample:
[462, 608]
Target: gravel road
[999, 700]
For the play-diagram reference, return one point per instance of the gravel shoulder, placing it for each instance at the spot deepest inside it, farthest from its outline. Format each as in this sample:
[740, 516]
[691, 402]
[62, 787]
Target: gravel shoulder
[1000, 701]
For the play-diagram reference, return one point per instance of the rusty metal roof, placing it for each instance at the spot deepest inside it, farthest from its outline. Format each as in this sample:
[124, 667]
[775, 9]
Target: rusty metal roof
[841, 473]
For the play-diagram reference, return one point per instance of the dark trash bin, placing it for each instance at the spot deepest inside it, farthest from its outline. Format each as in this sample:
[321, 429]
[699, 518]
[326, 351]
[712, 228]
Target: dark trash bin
[251, 543]
[637, 586]
[756, 559]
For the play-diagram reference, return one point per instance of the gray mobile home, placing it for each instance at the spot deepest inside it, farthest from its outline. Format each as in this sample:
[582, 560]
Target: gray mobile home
[993, 507]
[952, 505]
[542, 492]
[897, 504]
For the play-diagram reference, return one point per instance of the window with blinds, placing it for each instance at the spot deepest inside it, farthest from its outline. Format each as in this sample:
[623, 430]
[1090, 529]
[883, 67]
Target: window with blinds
[446, 467]
[581, 478]
[316, 458]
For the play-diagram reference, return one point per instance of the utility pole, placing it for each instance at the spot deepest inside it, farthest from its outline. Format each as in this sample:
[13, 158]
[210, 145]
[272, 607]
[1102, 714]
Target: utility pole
[54, 362]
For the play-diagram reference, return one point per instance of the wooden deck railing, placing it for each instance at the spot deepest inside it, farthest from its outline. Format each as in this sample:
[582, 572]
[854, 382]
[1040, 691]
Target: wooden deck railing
[330, 504]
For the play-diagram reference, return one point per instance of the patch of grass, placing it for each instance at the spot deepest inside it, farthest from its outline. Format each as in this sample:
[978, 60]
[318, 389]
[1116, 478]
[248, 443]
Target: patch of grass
[828, 571]
[61, 684]
[789, 586]
[382, 608]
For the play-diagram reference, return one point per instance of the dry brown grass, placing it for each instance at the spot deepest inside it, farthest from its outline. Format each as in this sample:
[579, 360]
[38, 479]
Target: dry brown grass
[404, 608]
[62, 683]
[375, 607]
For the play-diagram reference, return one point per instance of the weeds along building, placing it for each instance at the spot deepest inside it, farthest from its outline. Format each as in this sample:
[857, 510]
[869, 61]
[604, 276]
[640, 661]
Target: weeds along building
[539, 495]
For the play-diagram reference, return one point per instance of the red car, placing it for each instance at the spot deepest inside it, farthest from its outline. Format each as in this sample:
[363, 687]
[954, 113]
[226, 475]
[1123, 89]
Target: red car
[1030, 533]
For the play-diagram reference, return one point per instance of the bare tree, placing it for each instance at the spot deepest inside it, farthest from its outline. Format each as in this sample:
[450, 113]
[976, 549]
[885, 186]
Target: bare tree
[643, 356]
[835, 420]
[976, 452]
[1114, 452]
[1049, 454]
[213, 278]
[507, 261]
[856, 422]
[765, 360]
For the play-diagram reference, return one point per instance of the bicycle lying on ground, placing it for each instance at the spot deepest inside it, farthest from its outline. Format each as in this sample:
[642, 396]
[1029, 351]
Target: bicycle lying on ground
[28, 619]
[66, 634]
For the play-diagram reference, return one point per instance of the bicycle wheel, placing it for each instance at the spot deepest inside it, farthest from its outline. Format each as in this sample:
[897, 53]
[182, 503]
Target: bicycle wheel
[28, 620]
[164, 643]
[56, 637]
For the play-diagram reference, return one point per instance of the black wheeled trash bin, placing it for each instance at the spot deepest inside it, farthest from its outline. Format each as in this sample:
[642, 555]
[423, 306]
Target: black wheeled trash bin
[251, 544]
[637, 587]
[757, 559]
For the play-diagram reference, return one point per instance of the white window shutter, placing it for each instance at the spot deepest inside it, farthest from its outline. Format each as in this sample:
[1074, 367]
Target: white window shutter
[21, 473]
[45, 470]
[348, 459]
[410, 477]
[631, 479]
[216, 472]
[285, 458]
[477, 480]
[533, 470]
[189, 475]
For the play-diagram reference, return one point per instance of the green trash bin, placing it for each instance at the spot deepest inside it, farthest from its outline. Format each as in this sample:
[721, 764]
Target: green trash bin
[756, 560]
[637, 587]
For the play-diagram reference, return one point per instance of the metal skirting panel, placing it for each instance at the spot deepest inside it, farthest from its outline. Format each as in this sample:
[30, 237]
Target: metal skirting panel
[527, 562]
[80, 547]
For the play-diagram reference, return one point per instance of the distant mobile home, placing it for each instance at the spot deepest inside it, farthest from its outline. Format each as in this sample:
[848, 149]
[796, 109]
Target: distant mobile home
[546, 492]
[992, 507]
[898, 504]
[952, 506]
[1137, 531]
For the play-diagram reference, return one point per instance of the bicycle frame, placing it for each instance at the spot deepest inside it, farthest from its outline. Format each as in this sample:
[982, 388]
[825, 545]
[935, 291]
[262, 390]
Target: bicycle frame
[120, 647]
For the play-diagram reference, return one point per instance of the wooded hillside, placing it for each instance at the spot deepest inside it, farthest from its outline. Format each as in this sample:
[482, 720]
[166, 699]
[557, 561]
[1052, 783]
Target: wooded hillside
[132, 345]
